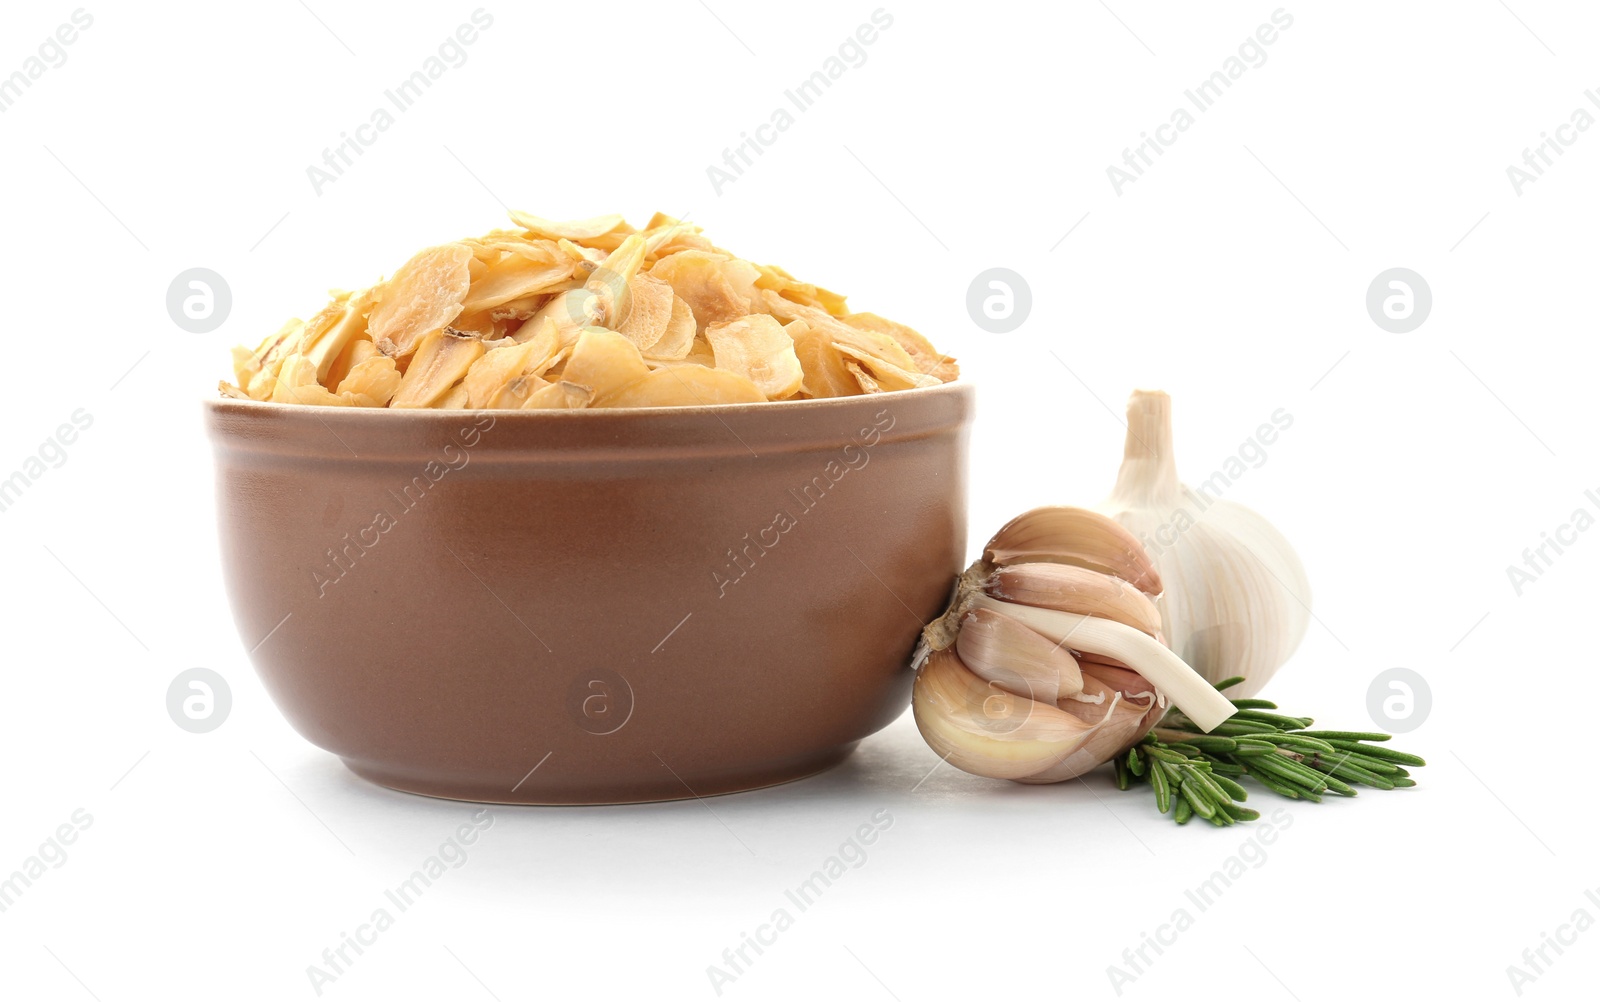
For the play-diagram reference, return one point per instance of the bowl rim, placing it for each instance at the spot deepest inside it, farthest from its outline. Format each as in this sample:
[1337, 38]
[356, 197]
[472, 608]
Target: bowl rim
[214, 405]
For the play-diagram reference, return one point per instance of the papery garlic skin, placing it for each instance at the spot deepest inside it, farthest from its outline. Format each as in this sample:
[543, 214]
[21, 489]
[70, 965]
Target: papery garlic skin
[1236, 600]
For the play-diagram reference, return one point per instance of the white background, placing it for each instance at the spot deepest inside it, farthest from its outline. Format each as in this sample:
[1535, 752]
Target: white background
[1233, 274]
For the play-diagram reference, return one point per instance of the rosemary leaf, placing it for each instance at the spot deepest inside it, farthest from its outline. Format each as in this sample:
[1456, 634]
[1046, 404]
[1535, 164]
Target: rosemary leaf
[1300, 742]
[1371, 751]
[1232, 788]
[1196, 799]
[1277, 720]
[1158, 781]
[1124, 779]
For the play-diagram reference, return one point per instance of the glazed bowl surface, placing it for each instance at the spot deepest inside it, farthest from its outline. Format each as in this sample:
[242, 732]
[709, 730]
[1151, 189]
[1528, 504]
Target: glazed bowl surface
[584, 607]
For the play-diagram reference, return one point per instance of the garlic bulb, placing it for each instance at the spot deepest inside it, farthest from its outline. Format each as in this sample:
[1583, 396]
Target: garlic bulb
[1049, 660]
[1237, 601]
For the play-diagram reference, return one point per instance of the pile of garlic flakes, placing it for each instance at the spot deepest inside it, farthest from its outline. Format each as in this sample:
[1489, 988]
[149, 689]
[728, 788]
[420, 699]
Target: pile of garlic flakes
[590, 313]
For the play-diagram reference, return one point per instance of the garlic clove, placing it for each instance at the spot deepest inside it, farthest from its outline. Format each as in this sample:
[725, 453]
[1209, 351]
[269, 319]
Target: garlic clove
[1121, 678]
[1095, 699]
[1105, 744]
[1076, 589]
[1144, 654]
[982, 729]
[1136, 692]
[1128, 720]
[1076, 536]
[998, 649]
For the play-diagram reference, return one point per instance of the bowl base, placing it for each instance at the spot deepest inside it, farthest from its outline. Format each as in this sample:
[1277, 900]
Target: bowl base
[563, 795]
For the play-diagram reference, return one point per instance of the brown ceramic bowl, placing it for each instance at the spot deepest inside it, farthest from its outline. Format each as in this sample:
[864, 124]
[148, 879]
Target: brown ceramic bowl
[585, 607]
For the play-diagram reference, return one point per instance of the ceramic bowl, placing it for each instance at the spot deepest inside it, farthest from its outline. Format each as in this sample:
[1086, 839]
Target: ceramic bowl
[583, 607]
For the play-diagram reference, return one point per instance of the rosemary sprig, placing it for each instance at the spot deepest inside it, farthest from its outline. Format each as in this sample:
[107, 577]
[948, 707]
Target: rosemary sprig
[1194, 774]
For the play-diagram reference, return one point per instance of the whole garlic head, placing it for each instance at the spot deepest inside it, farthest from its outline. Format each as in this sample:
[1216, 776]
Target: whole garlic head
[1236, 598]
[1049, 660]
